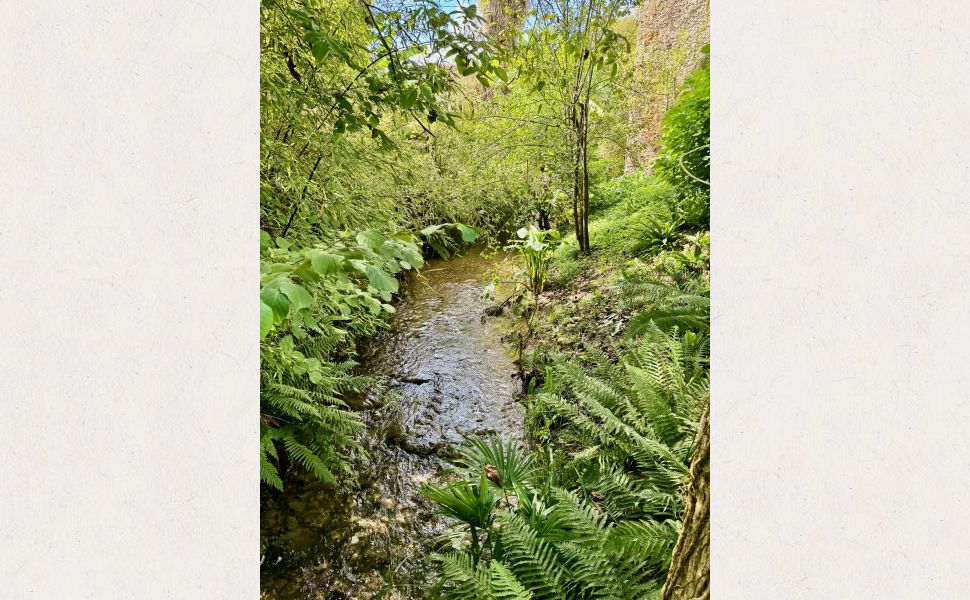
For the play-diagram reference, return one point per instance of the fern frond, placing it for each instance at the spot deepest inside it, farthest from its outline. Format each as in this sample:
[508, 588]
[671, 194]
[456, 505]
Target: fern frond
[504, 584]
[267, 449]
[268, 473]
[534, 561]
[306, 457]
[461, 579]
[637, 545]
[680, 305]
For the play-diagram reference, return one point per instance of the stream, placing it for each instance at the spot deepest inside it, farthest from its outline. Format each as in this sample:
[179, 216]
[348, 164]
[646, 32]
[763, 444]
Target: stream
[446, 374]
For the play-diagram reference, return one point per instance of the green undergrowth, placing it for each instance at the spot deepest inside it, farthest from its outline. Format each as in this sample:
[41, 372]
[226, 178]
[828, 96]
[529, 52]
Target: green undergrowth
[316, 302]
[373, 159]
[637, 233]
[617, 379]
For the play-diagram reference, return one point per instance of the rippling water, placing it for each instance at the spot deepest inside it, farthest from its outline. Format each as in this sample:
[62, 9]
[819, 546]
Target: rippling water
[448, 375]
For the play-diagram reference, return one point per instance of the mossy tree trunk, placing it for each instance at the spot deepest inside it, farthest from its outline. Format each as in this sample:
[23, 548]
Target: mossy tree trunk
[689, 577]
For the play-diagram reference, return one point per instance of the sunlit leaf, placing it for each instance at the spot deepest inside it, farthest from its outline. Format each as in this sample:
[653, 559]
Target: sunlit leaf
[299, 297]
[325, 263]
[265, 319]
[380, 279]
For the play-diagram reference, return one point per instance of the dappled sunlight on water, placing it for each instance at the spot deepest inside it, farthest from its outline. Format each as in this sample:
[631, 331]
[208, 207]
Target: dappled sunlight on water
[447, 375]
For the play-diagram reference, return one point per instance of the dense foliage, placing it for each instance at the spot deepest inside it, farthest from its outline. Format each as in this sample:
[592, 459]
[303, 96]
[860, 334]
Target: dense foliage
[686, 142]
[314, 303]
[345, 110]
[392, 131]
[596, 515]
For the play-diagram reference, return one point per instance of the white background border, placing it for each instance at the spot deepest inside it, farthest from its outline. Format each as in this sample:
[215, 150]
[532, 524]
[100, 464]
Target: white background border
[840, 292]
[128, 361]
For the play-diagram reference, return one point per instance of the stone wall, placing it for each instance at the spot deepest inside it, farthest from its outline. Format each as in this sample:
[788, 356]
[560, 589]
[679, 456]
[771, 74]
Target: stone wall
[670, 35]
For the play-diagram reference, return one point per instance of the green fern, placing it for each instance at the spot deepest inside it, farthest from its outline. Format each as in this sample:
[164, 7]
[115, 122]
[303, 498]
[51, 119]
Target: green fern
[597, 516]
[610, 533]
[679, 302]
[305, 419]
[505, 586]
[267, 450]
[461, 578]
[470, 503]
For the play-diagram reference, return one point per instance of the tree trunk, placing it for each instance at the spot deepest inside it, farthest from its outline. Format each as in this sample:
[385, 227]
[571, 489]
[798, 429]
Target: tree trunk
[579, 124]
[543, 218]
[578, 217]
[543, 201]
[689, 577]
[503, 18]
[584, 147]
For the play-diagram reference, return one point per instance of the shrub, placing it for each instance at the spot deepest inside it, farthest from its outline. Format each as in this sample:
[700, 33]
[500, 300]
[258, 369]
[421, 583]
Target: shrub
[685, 161]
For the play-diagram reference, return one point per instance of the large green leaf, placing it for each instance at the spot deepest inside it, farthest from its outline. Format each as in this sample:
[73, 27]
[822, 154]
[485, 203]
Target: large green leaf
[371, 238]
[320, 47]
[412, 256]
[468, 234]
[380, 279]
[276, 300]
[325, 263]
[306, 273]
[265, 319]
[408, 97]
[299, 297]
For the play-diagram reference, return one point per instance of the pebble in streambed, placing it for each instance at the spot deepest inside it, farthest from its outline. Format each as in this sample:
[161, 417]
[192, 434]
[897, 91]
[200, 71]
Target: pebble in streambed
[449, 376]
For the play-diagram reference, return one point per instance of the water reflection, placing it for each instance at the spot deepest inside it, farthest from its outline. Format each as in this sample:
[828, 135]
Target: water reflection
[448, 375]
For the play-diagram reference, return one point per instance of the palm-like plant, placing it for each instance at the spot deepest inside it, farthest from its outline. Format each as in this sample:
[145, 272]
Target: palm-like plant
[659, 235]
[553, 544]
[470, 503]
[503, 463]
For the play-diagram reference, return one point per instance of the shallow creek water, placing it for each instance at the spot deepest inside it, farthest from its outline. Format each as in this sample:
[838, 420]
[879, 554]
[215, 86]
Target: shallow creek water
[447, 375]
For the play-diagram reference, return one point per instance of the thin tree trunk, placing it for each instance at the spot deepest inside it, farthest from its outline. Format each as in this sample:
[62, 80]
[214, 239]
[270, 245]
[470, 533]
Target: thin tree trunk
[296, 207]
[584, 142]
[544, 220]
[577, 217]
[580, 206]
[689, 577]
[543, 215]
